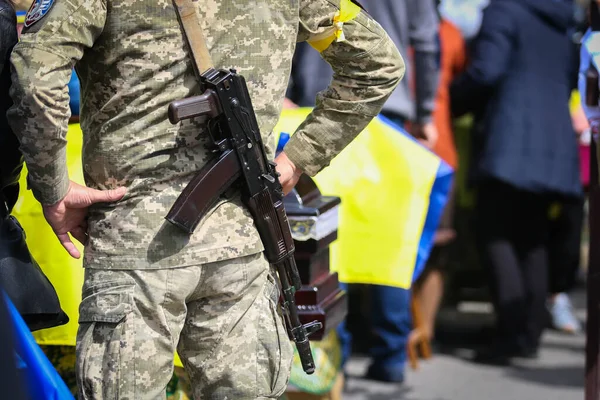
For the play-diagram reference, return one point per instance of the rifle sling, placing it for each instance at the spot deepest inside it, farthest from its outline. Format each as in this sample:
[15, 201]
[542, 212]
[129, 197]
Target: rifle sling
[189, 19]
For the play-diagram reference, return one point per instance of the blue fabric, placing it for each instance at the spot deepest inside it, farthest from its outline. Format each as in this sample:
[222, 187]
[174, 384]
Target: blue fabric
[522, 70]
[391, 325]
[42, 380]
[74, 93]
[437, 202]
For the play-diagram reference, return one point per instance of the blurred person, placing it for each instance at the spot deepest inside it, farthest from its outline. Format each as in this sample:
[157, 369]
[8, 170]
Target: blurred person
[564, 253]
[564, 244]
[459, 23]
[10, 164]
[413, 26]
[518, 83]
[11, 160]
[565, 239]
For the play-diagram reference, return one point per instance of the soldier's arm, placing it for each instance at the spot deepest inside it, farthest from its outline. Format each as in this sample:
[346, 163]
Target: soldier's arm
[41, 69]
[367, 67]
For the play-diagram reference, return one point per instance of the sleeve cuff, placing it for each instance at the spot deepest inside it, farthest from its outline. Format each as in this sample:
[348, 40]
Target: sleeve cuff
[52, 186]
[303, 155]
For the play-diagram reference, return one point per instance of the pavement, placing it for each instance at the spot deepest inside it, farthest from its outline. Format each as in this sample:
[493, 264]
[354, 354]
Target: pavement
[557, 374]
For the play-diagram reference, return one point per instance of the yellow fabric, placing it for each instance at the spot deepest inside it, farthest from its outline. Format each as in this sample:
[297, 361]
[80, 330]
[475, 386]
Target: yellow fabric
[384, 180]
[347, 12]
[575, 100]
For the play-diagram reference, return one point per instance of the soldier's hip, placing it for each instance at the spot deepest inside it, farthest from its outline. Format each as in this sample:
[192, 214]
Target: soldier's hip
[221, 317]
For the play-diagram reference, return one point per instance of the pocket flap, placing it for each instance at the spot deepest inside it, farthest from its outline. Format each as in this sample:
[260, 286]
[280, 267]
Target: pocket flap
[106, 302]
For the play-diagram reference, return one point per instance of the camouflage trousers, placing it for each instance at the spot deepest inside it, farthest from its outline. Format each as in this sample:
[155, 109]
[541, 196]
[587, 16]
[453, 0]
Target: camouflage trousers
[222, 318]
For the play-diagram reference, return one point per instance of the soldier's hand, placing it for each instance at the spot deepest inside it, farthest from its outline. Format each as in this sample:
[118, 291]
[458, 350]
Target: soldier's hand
[426, 133]
[290, 174]
[68, 216]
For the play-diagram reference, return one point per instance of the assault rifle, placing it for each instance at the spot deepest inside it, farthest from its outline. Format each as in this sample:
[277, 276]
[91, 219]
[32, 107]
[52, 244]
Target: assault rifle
[242, 161]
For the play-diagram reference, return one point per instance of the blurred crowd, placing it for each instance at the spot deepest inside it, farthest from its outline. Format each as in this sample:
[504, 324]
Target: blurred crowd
[511, 66]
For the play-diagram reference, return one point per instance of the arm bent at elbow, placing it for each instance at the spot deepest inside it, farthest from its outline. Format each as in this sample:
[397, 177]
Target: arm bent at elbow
[367, 68]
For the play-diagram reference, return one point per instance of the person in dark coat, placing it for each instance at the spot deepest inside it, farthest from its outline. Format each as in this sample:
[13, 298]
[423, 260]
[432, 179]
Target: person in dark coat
[11, 160]
[10, 164]
[523, 67]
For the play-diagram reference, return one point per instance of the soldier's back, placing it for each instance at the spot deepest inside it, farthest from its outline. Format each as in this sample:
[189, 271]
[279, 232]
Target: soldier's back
[136, 67]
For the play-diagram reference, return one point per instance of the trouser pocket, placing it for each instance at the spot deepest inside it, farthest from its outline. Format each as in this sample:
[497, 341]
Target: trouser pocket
[105, 341]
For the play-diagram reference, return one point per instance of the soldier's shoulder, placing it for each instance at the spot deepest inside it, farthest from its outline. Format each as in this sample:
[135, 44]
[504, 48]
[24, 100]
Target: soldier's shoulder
[49, 15]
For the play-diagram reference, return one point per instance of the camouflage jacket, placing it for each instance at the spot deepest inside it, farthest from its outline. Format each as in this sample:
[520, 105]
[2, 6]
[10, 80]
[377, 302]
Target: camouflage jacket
[132, 62]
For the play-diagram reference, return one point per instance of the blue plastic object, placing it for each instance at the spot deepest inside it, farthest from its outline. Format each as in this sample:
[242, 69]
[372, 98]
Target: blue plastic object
[283, 139]
[40, 376]
[74, 93]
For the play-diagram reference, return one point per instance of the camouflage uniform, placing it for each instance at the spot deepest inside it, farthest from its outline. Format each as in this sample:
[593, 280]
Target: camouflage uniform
[149, 286]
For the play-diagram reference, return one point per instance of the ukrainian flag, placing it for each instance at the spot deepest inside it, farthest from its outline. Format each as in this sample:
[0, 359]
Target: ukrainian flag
[393, 192]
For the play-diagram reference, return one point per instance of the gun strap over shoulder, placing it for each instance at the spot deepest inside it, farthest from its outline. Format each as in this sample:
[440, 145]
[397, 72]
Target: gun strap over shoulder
[189, 19]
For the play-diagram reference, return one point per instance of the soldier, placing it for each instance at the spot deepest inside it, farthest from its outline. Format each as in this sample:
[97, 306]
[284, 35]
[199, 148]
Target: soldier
[150, 289]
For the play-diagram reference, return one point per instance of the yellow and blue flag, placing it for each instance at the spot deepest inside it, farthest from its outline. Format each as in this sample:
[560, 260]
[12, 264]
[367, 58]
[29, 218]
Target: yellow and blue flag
[393, 192]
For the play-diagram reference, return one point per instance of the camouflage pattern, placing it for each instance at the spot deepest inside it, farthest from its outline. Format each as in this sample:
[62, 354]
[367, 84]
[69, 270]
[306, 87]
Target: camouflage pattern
[63, 360]
[132, 62]
[222, 318]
